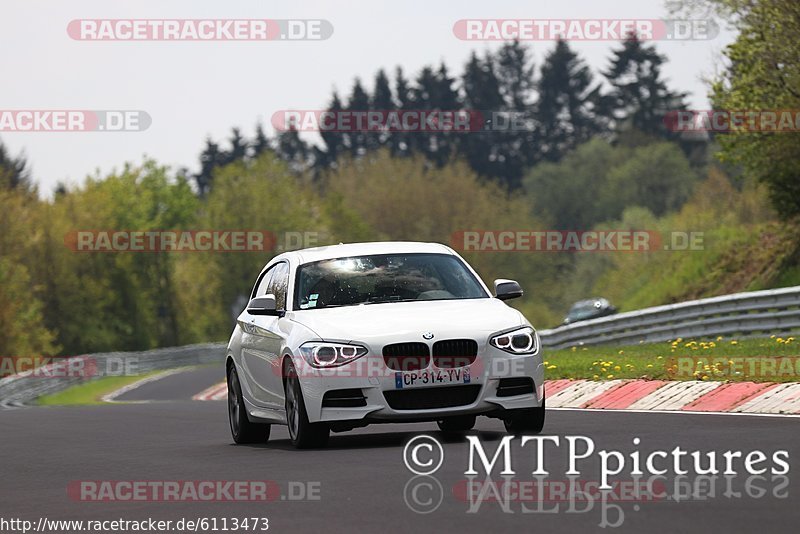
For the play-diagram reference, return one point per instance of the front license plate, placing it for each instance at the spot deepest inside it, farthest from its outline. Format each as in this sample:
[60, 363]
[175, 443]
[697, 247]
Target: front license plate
[431, 377]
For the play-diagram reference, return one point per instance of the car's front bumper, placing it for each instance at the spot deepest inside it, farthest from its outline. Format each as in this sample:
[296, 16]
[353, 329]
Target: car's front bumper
[376, 383]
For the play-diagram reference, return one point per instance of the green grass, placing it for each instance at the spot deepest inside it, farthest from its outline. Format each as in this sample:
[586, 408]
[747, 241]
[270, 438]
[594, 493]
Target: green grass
[91, 392]
[722, 359]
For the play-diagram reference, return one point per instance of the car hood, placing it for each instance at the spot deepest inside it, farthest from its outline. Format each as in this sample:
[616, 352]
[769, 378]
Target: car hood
[409, 320]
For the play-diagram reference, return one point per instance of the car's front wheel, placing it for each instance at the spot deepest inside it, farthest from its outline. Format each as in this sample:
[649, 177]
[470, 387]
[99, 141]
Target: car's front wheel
[242, 429]
[526, 421]
[304, 435]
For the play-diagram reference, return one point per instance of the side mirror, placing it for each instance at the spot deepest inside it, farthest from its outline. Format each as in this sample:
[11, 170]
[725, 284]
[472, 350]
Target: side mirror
[263, 305]
[507, 289]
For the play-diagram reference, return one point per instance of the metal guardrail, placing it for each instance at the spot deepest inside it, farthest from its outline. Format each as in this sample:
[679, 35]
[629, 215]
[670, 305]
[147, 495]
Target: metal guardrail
[748, 314]
[23, 388]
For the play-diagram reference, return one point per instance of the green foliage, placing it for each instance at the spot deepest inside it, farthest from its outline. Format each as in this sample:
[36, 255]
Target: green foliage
[743, 249]
[764, 74]
[261, 195]
[596, 182]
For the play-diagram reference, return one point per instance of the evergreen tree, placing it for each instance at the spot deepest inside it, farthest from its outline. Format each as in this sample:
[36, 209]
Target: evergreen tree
[495, 152]
[515, 72]
[238, 149]
[261, 143]
[382, 100]
[334, 141]
[639, 98]
[14, 171]
[357, 140]
[400, 142]
[211, 158]
[293, 150]
[567, 109]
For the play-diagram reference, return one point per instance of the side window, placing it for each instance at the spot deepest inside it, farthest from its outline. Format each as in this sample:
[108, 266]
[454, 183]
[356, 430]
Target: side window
[261, 288]
[279, 284]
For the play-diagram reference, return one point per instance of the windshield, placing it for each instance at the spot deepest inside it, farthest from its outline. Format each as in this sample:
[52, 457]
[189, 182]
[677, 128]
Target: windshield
[582, 310]
[384, 278]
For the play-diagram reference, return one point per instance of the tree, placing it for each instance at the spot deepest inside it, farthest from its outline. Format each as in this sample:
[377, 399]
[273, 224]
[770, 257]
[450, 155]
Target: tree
[656, 176]
[435, 91]
[567, 109]
[639, 98]
[566, 192]
[495, 152]
[14, 172]
[381, 100]
[334, 141]
[210, 159]
[261, 143]
[238, 149]
[357, 141]
[763, 74]
[293, 150]
[400, 142]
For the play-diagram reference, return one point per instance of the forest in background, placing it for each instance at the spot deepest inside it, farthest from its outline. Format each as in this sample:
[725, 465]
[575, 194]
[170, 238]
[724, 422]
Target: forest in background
[599, 157]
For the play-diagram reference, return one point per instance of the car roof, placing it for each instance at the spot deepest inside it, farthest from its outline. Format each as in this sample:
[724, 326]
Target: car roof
[309, 255]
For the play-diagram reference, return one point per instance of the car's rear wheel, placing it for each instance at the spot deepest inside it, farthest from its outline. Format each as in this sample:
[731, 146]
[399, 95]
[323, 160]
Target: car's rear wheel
[456, 424]
[242, 429]
[526, 421]
[304, 435]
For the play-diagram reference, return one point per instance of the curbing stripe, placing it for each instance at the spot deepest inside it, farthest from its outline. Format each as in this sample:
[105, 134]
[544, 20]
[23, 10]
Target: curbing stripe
[728, 396]
[785, 398]
[580, 393]
[215, 392]
[625, 395]
[674, 395]
[551, 387]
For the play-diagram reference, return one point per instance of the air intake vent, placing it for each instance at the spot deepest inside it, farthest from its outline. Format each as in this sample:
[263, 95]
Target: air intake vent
[344, 398]
[432, 398]
[511, 387]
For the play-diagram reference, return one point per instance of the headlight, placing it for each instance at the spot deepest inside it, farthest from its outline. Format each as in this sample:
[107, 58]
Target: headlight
[322, 354]
[521, 341]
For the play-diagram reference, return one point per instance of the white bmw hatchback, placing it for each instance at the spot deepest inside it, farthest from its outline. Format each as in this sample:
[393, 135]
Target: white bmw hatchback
[340, 337]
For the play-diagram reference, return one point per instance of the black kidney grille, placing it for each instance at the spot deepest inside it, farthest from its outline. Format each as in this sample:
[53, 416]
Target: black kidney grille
[451, 353]
[406, 356]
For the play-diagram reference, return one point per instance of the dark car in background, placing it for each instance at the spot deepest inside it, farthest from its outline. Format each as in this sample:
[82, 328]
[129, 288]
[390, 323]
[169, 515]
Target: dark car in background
[589, 309]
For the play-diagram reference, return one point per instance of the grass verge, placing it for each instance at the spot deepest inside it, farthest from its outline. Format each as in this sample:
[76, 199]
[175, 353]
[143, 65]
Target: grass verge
[774, 359]
[90, 392]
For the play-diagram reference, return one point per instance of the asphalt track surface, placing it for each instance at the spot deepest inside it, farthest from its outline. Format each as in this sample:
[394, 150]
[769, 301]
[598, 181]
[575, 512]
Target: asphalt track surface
[362, 481]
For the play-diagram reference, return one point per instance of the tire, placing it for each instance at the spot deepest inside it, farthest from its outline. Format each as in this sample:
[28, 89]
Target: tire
[456, 424]
[526, 421]
[242, 429]
[304, 435]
